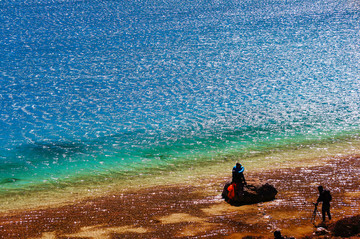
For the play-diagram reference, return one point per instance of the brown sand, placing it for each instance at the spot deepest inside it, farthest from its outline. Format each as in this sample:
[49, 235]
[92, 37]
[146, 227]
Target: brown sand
[197, 212]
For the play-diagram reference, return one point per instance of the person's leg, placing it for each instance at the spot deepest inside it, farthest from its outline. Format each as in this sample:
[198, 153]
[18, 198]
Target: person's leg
[328, 213]
[326, 210]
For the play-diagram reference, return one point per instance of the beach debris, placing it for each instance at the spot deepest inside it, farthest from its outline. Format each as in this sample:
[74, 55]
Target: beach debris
[321, 231]
[250, 195]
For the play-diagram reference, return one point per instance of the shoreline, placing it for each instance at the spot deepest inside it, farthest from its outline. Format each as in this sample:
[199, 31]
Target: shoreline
[182, 211]
[192, 174]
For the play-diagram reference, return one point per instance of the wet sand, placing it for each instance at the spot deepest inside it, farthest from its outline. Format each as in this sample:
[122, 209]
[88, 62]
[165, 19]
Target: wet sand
[183, 211]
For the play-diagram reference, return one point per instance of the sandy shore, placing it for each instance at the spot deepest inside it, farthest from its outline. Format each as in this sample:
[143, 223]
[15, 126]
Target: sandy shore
[182, 211]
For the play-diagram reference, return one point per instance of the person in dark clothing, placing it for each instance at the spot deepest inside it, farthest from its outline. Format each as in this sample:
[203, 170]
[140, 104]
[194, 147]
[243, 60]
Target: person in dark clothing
[277, 235]
[325, 198]
[238, 178]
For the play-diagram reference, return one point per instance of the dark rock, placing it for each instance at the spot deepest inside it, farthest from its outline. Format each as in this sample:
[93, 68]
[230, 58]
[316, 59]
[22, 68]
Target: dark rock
[252, 194]
[347, 227]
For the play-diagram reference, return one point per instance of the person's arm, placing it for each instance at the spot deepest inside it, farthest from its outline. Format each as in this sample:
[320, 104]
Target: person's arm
[319, 200]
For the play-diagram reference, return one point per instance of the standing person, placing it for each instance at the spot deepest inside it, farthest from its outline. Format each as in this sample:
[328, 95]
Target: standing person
[238, 178]
[324, 197]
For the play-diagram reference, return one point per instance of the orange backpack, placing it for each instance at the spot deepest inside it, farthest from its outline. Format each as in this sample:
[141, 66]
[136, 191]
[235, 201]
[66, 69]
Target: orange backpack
[231, 189]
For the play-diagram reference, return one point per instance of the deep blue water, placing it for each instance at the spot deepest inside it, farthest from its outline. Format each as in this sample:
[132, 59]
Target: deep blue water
[122, 87]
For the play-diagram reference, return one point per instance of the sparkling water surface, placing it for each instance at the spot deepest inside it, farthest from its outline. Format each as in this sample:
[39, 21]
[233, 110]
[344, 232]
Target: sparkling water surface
[104, 88]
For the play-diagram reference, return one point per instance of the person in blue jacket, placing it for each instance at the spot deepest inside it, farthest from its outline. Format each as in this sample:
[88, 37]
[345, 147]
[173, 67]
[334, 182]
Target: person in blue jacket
[238, 178]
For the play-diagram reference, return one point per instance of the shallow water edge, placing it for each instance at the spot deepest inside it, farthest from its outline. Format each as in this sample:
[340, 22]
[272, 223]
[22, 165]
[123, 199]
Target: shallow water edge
[198, 173]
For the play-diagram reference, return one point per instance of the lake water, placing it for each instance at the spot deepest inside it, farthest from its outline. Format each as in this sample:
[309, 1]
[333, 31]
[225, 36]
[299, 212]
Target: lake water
[118, 89]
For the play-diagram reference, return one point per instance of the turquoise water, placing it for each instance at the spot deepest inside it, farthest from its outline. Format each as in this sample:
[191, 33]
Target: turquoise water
[125, 88]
